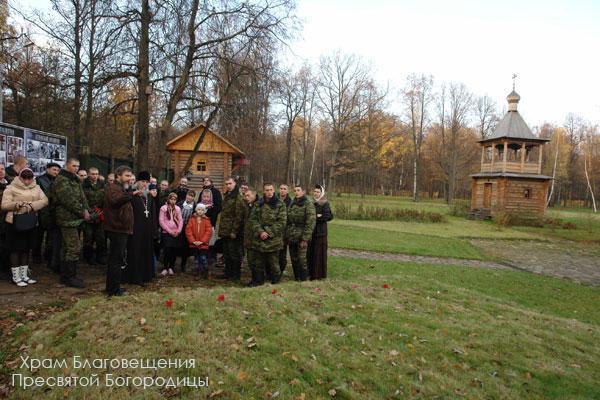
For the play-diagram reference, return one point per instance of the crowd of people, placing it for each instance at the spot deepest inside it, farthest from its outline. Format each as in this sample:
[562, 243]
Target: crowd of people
[139, 228]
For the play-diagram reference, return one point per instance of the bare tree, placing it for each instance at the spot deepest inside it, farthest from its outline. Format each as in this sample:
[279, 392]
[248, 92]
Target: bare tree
[66, 26]
[417, 96]
[293, 95]
[342, 81]
[586, 150]
[487, 115]
[459, 103]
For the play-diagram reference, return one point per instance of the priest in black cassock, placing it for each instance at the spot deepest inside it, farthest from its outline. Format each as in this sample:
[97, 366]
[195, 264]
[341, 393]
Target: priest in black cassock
[140, 268]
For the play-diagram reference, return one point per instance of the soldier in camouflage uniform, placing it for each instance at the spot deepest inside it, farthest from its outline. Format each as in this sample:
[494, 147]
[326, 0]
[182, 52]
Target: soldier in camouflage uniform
[267, 229]
[284, 196]
[231, 227]
[258, 277]
[93, 230]
[301, 220]
[70, 210]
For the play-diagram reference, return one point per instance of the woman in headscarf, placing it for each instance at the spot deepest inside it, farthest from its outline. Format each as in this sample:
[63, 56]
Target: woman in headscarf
[171, 223]
[22, 196]
[317, 248]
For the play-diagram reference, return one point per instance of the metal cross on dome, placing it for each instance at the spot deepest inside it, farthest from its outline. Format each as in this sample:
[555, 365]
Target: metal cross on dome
[514, 78]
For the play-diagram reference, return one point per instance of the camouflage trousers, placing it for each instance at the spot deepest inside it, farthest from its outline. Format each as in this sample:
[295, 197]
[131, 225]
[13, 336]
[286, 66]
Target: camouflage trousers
[283, 257]
[71, 245]
[233, 252]
[264, 262]
[94, 233]
[299, 264]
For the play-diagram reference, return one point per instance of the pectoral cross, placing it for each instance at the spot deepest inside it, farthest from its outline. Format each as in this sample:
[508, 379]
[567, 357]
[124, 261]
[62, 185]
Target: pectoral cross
[147, 213]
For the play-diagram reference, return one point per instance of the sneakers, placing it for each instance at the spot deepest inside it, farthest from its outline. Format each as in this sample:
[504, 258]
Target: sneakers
[24, 275]
[171, 271]
[163, 273]
[16, 276]
[120, 292]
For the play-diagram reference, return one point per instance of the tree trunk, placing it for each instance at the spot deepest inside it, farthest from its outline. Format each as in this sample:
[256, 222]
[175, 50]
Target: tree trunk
[288, 157]
[143, 134]
[77, 79]
[88, 124]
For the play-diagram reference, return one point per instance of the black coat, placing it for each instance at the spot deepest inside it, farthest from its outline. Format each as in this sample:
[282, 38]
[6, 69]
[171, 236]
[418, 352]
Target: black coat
[181, 192]
[322, 207]
[140, 268]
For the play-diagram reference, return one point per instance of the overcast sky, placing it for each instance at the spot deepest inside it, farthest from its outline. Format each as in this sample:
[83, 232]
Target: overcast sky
[553, 46]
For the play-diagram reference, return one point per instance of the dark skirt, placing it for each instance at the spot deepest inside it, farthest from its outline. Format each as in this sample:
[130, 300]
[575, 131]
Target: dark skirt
[19, 240]
[170, 241]
[317, 258]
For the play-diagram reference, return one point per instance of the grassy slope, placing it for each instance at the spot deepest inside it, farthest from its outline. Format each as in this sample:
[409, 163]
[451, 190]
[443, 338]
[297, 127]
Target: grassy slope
[364, 237]
[438, 331]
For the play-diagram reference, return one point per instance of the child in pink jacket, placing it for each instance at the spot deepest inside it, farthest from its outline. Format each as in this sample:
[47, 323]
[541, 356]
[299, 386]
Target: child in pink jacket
[171, 223]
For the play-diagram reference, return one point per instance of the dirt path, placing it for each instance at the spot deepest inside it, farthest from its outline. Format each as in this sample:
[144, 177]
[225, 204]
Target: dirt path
[49, 292]
[559, 258]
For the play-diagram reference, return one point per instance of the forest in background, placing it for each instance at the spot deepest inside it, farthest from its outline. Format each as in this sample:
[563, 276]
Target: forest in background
[120, 79]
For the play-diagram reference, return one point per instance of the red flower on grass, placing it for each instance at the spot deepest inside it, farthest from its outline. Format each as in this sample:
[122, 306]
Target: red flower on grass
[354, 286]
[169, 303]
[274, 291]
[386, 286]
[221, 297]
[317, 289]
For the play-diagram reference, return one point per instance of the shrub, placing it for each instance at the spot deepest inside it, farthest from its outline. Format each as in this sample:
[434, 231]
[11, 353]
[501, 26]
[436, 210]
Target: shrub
[516, 219]
[459, 208]
[344, 211]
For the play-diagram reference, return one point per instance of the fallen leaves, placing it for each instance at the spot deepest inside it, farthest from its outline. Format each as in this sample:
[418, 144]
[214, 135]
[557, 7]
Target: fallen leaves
[332, 392]
[142, 321]
[241, 376]
[251, 342]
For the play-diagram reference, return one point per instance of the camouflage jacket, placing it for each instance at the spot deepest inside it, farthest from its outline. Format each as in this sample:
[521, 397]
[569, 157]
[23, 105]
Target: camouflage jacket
[301, 220]
[94, 193]
[232, 214]
[248, 211]
[68, 199]
[269, 217]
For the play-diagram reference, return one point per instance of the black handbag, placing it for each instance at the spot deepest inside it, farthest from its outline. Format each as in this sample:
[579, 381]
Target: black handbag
[25, 222]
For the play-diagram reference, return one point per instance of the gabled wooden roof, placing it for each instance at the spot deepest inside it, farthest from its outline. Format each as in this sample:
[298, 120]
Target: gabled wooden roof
[213, 142]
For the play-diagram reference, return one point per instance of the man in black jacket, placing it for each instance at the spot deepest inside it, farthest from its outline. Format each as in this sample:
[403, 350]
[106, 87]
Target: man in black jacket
[13, 171]
[182, 189]
[46, 226]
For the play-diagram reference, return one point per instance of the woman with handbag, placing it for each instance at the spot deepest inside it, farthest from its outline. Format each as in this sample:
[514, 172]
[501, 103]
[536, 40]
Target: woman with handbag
[21, 200]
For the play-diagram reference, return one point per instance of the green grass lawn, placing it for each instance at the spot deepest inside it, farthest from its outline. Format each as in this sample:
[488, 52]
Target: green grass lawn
[588, 223]
[363, 235]
[445, 332]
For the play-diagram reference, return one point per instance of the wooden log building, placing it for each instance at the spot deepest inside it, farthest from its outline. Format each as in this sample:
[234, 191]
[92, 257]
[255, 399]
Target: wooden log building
[218, 158]
[510, 180]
